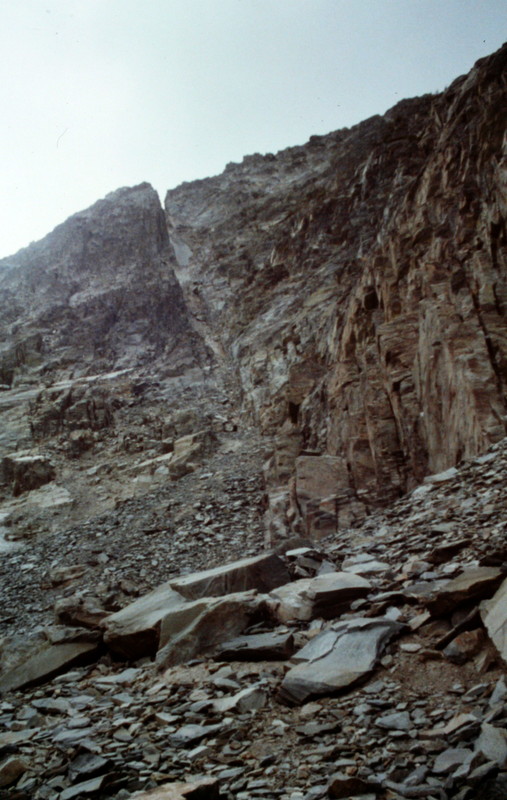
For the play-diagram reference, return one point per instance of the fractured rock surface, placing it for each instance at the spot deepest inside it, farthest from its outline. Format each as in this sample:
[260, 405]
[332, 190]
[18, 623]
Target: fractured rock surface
[309, 347]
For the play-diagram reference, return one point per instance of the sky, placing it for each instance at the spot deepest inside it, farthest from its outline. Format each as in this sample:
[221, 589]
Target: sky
[98, 94]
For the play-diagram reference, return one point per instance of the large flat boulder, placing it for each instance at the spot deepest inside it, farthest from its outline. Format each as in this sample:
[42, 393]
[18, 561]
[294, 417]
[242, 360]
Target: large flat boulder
[494, 616]
[134, 631]
[325, 596]
[473, 584]
[179, 629]
[264, 572]
[201, 625]
[46, 664]
[337, 658]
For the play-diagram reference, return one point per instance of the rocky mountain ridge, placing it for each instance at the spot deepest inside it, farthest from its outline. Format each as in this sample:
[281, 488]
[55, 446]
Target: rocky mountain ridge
[275, 359]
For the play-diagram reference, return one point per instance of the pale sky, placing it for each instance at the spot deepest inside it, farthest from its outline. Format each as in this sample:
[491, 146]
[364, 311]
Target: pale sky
[98, 94]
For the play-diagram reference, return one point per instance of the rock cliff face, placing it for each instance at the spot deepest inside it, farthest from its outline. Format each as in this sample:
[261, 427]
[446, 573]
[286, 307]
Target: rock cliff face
[293, 344]
[347, 296]
[358, 284]
[97, 293]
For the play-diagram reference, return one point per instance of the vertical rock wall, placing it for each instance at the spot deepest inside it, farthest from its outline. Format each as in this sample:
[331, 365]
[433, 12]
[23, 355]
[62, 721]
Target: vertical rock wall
[358, 285]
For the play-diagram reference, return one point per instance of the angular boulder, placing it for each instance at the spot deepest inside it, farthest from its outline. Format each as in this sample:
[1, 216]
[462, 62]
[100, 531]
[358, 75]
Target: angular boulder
[494, 616]
[337, 658]
[473, 584]
[263, 572]
[258, 647]
[199, 626]
[325, 596]
[492, 743]
[179, 629]
[134, 631]
[46, 664]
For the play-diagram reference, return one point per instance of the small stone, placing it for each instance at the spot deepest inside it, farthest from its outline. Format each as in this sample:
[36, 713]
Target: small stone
[11, 770]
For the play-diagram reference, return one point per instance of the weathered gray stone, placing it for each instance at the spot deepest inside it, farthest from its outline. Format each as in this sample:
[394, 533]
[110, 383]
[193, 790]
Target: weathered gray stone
[494, 615]
[90, 787]
[325, 596]
[47, 663]
[264, 572]
[492, 743]
[452, 758]
[337, 658]
[190, 734]
[200, 626]
[397, 721]
[134, 631]
[473, 584]
[249, 699]
[258, 647]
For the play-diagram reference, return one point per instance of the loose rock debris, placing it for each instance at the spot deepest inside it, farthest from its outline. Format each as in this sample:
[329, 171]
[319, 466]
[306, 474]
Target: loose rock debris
[349, 695]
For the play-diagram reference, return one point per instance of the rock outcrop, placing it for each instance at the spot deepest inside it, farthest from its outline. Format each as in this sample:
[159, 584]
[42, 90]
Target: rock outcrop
[311, 348]
[363, 279]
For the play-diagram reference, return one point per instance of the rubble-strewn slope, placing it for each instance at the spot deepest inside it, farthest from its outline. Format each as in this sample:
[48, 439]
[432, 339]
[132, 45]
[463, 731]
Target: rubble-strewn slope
[428, 718]
[362, 278]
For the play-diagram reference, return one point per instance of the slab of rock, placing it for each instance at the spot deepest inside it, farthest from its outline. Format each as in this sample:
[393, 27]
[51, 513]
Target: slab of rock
[397, 721]
[325, 596]
[473, 584]
[264, 572]
[445, 551]
[134, 631]
[337, 658]
[249, 699]
[190, 734]
[492, 743]
[179, 629]
[204, 789]
[494, 616]
[45, 664]
[200, 626]
[88, 765]
[451, 759]
[258, 647]
[89, 787]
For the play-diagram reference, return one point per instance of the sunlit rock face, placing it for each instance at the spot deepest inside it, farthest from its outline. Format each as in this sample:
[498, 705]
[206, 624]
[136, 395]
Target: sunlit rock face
[357, 285]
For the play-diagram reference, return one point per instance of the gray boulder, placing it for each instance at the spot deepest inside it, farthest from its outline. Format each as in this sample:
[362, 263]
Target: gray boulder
[337, 658]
